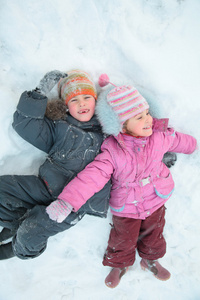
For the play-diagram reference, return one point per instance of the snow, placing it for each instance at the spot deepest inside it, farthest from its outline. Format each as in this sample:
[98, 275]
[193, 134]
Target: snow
[154, 45]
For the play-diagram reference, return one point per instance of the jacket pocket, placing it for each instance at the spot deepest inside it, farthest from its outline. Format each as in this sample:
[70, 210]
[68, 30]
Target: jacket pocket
[164, 186]
[118, 198]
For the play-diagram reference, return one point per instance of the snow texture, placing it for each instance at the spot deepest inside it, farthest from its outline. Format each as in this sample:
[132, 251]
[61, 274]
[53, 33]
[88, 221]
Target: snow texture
[153, 45]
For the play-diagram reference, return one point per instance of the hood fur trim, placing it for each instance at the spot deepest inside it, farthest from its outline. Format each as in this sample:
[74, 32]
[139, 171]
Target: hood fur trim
[56, 110]
[106, 115]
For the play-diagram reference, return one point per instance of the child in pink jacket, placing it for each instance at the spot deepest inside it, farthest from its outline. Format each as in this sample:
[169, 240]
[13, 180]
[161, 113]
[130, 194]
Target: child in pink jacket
[141, 183]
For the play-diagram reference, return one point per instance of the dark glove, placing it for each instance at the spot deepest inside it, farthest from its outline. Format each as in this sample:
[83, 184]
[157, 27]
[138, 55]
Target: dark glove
[169, 159]
[49, 80]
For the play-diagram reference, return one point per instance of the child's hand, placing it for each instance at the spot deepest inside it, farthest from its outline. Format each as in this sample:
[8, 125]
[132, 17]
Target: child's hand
[49, 80]
[169, 159]
[59, 210]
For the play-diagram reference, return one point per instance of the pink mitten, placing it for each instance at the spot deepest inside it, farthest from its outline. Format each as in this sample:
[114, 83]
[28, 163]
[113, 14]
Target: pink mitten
[59, 210]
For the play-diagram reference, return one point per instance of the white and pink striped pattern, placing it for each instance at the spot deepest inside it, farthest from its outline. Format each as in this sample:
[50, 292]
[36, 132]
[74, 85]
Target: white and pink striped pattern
[127, 102]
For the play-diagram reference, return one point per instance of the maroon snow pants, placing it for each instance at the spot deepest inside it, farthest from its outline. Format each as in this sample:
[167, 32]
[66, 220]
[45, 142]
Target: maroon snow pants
[127, 234]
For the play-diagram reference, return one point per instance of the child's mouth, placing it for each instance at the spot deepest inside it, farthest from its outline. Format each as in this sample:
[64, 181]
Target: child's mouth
[147, 128]
[83, 111]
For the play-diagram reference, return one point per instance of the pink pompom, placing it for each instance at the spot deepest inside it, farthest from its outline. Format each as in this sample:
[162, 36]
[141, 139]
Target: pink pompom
[103, 80]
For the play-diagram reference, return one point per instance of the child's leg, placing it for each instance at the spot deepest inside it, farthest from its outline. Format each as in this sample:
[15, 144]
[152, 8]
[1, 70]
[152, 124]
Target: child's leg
[151, 243]
[17, 194]
[32, 235]
[120, 252]
[122, 242]
[31, 238]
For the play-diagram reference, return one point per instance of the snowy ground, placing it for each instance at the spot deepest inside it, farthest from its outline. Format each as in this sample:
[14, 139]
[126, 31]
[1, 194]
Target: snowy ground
[153, 44]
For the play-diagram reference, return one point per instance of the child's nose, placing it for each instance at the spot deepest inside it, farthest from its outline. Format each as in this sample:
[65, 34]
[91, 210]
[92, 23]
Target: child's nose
[82, 103]
[148, 118]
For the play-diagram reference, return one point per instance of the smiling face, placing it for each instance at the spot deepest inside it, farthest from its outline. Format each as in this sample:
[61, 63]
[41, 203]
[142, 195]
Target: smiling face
[139, 125]
[82, 107]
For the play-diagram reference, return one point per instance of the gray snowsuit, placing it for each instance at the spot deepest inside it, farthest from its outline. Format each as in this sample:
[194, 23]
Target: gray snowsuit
[70, 146]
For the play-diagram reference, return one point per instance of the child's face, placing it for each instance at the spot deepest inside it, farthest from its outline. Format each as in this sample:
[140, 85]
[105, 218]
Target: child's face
[82, 107]
[140, 125]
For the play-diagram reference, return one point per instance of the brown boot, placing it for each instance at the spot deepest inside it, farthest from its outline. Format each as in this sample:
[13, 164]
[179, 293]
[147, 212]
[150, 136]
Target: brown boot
[158, 271]
[114, 277]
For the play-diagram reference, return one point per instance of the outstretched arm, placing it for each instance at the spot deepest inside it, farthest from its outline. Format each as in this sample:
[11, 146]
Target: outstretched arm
[183, 143]
[29, 120]
[88, 182]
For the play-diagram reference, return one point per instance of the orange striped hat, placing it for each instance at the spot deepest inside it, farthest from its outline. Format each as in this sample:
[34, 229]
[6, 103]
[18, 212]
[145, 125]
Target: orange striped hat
[76, 83]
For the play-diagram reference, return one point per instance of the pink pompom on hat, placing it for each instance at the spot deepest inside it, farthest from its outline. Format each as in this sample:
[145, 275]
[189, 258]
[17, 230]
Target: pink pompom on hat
[124, 100]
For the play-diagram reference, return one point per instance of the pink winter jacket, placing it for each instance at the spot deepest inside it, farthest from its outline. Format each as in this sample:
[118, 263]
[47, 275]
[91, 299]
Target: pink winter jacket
[141, 182]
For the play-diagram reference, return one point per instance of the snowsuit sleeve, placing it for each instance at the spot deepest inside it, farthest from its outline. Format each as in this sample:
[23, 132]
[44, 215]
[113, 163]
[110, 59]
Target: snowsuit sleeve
[30, 123]
[89, 181]
[180, 142]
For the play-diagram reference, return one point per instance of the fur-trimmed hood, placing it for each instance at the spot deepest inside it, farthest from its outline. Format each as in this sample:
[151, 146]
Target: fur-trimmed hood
[56, 110]
[106, 115]
[109, 119]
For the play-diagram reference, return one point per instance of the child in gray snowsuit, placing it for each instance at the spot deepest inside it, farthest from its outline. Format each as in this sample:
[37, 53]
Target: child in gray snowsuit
[71, 140]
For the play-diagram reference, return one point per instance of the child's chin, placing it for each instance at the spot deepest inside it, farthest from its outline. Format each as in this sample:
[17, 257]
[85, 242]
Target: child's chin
[84, 119]
[148, 133]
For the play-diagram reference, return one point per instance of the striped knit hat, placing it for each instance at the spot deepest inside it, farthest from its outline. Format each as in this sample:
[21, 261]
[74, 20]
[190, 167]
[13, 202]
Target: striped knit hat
[76, 83]
[125, 102]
